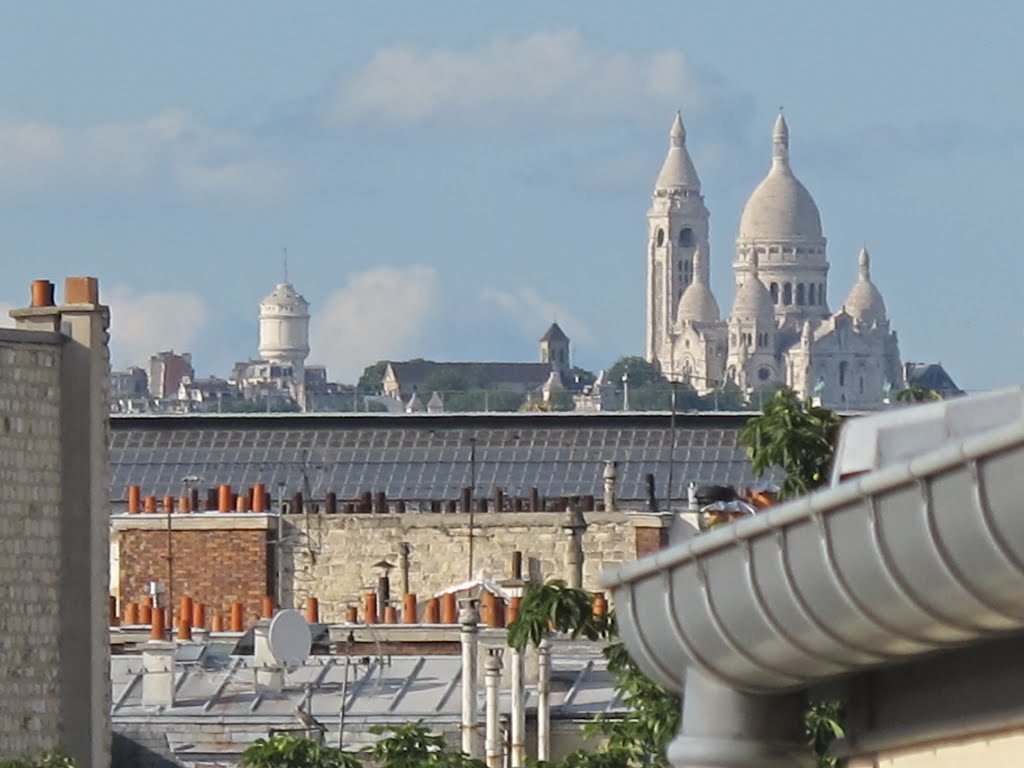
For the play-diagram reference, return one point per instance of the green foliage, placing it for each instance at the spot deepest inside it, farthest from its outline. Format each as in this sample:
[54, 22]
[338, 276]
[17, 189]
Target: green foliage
[640, 737]
[581, 375]
[553, 606]
[797, 437]
[476, 400]
[823, 725]
[562, 401]
[372, 379]
[641, 373]
[54, 759]
[411, 745]
[915, 393]
[284, 750]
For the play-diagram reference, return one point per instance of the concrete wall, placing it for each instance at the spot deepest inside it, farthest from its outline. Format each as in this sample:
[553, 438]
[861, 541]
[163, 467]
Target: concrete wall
[30, 513]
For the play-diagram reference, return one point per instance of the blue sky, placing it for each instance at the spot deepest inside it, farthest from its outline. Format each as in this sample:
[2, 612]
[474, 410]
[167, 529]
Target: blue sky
[450, 177]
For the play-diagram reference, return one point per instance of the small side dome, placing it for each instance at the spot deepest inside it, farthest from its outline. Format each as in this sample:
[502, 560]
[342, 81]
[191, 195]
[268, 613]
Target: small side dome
[780, 209]
[753, 301]
[697, 303]
[864, 302]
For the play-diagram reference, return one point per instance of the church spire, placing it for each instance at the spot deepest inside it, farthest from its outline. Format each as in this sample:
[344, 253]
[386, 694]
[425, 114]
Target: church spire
[678, 174]
[780, 141]
[677, 136]
[864, 264]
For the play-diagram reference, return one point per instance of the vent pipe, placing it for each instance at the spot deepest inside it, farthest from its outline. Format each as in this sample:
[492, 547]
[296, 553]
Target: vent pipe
[468, 619]
[494, 746]
[611, 474]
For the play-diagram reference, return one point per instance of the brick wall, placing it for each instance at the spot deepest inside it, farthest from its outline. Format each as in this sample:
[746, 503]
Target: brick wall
[30, 552]
[216, 560]
[650, 540]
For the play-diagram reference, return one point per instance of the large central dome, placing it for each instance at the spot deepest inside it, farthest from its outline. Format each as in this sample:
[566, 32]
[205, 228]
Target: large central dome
[780, 208]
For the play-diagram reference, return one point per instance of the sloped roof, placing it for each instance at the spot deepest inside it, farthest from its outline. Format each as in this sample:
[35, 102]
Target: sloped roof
[931, 376]
[554, 333]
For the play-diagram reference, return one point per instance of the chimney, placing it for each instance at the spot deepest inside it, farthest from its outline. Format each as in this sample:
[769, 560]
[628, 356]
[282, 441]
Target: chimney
[610, 477]
[158, 679]
[469, 637]
[84, 371]
[269, 674]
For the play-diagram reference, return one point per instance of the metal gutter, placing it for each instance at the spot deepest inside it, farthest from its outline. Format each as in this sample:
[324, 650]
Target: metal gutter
[921, 555]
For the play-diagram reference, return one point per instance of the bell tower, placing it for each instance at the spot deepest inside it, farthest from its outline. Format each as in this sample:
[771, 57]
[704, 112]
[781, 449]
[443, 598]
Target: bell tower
[677, 226]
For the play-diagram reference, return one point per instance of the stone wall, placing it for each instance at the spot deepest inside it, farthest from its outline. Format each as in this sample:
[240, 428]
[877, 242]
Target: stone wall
[30, 551]
[331, 556]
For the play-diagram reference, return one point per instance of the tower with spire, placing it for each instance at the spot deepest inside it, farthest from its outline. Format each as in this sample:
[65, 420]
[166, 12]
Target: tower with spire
[677, 226]
[780, 330]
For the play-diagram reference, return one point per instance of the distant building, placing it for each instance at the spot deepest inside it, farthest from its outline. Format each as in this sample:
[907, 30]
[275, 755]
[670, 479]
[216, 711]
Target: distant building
[403, 380]
[166, 370]
[780, 330]
[931, 376]
[554, 348]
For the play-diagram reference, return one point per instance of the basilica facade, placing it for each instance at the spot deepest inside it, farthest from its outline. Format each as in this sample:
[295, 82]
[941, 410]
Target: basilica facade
[780, 329]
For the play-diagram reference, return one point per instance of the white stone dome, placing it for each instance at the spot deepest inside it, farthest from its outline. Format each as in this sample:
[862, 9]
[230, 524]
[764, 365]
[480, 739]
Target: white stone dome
[697, 302]
[753, 301]
[780, 208]
[286, 297]
[864, 301]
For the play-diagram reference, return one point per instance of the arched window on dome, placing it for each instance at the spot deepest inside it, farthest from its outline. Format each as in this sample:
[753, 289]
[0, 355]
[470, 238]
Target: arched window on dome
[775, 293]
[800, 297]
[810, 294]
[843, 366]
[659, 236]
[787, 294]
[686, 238]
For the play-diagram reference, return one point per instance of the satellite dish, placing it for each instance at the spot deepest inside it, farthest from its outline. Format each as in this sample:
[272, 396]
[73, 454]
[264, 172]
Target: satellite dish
[289, 638]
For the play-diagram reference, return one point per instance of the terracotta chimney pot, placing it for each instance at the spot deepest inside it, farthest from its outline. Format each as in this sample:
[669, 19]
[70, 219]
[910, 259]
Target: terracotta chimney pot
[42, 293]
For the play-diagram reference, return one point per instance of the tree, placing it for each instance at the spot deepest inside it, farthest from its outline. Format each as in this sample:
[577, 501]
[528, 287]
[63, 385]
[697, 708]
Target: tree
[285, 750]
[915, 393]
[641, 373]
[53, 759]
[372, 379]
[411, 745]
[580, 376]
[640, 737]
[795, 436]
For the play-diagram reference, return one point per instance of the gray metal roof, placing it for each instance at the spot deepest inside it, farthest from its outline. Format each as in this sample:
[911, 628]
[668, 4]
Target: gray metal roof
[427, 456]
[218, 711]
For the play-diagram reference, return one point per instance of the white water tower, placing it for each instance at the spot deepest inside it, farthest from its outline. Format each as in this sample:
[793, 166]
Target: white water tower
[284, 329]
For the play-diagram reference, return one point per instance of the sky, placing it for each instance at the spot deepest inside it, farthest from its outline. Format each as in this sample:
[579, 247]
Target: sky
[448, 178]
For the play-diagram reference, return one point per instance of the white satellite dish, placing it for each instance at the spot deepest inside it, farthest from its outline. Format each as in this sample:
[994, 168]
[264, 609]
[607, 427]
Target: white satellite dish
[289, 638]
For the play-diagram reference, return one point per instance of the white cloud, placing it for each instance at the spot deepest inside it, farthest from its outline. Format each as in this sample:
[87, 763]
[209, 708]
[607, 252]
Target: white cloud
[30, 149]
[554, 74]
[380, 313]
[142, 324]
[529, 310]
[172, 146]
